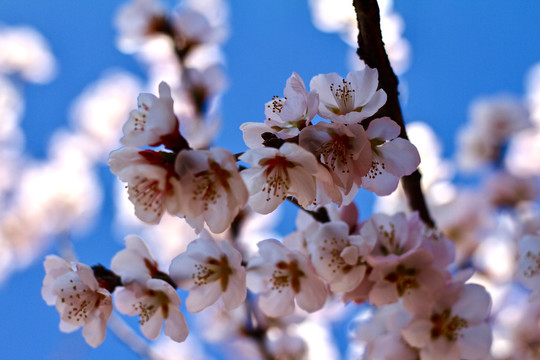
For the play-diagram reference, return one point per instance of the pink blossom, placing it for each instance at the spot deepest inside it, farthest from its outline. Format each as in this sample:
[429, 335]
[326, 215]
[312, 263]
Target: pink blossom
[155, 302]
[280, 276]
[211, 188]
[528, 267]
[79, 298]
[151, 182]
[339, 258]
[453, 326]
[153, 299]
[392, 157]
[210, 272]
[277, 173]
[153, 120]
[349, 100]
[344, 150]
[287, 116]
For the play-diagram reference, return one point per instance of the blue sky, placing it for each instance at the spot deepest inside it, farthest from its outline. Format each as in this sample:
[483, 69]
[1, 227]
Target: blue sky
[460, 49]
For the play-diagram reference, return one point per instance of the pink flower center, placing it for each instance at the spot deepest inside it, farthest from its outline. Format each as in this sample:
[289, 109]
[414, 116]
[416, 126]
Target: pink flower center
[447, 326]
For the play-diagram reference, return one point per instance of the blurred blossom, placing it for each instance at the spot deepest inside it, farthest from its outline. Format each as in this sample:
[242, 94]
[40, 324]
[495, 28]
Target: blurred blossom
[492, 122]
[24, 51]
[339, 16]
[506, 190]
[101, 109]
[11, 108]
[523, 156]
[134, 22]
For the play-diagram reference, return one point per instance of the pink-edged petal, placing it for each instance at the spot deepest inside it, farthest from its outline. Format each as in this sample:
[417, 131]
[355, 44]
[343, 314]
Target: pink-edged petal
[123, 301]
[175, 325]
[383, 293]
[152, 327]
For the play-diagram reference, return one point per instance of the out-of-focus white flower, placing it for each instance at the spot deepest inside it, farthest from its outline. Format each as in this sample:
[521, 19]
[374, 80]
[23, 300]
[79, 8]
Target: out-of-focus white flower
[504, 189]
[392, 157]
[211, 188]
[11, 108]
[280, 276]
[135, 22]
[25, 52]
[210, 272]
[339, 16]
[349, 100]
[100, 110]
[378, 332]
[78, 298]
[276, 173]
[523, 155]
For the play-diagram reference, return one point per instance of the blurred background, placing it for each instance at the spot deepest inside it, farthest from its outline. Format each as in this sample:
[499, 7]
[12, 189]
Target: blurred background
[67, 84]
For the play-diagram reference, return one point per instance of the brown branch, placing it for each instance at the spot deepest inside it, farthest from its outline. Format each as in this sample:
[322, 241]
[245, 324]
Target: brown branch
[371, 51]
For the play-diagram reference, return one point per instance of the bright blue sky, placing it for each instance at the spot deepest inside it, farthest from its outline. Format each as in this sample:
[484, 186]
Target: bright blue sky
[460, 48]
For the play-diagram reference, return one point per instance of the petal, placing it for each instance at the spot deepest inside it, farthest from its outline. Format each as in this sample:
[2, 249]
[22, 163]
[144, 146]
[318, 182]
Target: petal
[417, 333]
[400, 156]
[94, 331]
[152, 327]
[203, 296]
[312, 295]
[476, 342]
[277, 303]
[175, 326]
[383, 129]
[474, 303]
[236, 292]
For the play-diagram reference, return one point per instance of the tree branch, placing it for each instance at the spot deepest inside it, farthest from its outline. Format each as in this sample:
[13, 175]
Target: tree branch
[371, 51]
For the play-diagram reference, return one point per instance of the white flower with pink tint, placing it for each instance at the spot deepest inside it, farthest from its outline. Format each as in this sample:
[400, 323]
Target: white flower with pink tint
[151, 182]
[339, 258]
[135, 263]
[79, 298]
[287, 116]
[528, 267]
[277, 173]
[454, 326]
[392, 157]
[145, 294]
[155, 302]
[349, 100]
[210, 272]
[414, 279]
[344, 149]
[280, 276]
[153, 120]
[211, 188]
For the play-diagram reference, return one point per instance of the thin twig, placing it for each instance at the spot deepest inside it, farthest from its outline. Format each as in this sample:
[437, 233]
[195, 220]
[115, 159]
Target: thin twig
[371, 50]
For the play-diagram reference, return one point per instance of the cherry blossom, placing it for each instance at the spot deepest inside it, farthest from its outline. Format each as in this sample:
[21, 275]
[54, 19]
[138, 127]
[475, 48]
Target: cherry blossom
[349, 100]
[79, 298]
[344, 150]
[392, 157]
[151, 182]
[155, 302]
[454, 326]
[339, 258]
[528, 271]
[210, 272]
[276, 173]
[280, 276]
[211, 188]
[287, 116]
[145, 294]
[153, 120]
